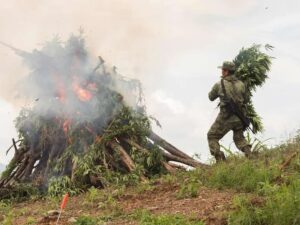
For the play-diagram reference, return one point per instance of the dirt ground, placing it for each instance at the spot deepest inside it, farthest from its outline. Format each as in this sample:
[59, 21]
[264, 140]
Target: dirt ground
[210, 206]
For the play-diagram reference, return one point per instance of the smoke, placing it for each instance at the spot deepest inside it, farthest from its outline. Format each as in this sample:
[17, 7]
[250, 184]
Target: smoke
[66, 81]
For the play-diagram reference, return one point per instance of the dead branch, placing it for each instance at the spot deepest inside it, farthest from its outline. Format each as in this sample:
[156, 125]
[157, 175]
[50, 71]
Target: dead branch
[123, 154]
[126, 159]
[192, 163]
[13, 145]
[288, 161]
[178, 166]
[171, 169]
[167, 146]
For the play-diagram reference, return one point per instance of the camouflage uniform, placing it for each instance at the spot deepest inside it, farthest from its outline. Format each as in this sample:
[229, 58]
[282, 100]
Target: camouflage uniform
[226, 120]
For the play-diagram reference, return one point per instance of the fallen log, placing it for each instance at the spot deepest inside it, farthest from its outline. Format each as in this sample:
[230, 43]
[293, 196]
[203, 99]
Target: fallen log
[192, 163]
[168, 167]
[126, 159]
[167, 146]
[123, 154]
[178, 166]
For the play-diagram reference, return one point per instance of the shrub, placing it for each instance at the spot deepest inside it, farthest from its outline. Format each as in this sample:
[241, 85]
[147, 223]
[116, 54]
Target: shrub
[282, 206]
[188, 190]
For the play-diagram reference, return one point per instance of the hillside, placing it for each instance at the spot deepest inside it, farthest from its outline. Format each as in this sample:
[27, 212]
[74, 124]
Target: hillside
[263, 190]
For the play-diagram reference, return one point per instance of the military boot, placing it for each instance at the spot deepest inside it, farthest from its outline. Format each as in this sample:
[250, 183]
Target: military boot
[220, 156]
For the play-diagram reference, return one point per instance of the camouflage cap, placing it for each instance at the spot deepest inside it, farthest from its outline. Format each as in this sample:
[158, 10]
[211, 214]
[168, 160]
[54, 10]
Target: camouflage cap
[227, 65]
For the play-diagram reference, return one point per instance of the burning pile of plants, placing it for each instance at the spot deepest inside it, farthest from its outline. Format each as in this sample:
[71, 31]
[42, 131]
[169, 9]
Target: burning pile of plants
[87, 126]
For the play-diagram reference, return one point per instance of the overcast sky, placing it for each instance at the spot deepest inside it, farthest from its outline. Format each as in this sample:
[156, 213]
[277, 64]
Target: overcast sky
[173, 47]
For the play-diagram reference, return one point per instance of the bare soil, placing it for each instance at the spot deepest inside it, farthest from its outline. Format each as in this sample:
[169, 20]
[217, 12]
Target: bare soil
[210, 206]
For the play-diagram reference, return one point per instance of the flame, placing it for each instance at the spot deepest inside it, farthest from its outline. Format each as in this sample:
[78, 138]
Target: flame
[66, 126]
[83, 94]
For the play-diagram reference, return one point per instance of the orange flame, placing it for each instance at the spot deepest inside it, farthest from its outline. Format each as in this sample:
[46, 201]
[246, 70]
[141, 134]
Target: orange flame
[83, 94]
[66, 126]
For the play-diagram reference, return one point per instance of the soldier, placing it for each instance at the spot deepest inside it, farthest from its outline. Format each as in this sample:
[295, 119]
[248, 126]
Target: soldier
[228, 88]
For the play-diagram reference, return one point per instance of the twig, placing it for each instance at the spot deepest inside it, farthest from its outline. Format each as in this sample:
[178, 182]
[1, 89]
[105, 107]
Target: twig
[288, 161]
[101, 61]
[13, 145]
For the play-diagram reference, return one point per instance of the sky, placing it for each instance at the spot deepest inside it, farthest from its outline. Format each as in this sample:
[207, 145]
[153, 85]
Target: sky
[174, 48]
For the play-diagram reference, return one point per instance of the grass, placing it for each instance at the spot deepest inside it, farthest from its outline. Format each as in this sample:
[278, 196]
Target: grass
[242, 175]
[143, 217]
[281, 206]
[86, 220]
[264, 193]
[146, 218]
[6, 214]
[279, 194]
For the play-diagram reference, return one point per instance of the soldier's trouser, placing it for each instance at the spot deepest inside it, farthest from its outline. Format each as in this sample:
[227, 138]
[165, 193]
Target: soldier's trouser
[222, 125]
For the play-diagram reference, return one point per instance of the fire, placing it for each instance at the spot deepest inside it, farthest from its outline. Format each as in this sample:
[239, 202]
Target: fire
[66, 126]
[83, 94]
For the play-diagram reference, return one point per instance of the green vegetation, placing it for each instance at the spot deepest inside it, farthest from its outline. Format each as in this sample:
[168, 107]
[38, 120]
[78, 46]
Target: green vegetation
[252, 68]
[94, 161]
[281, 205]
[146, 218]
[242, 175]
[189, 188]
[277, 199]
[86, 220]
[20, 192]
[6, 213]
[61, 185]
[143, 217]
[30, 220]
[266, 191]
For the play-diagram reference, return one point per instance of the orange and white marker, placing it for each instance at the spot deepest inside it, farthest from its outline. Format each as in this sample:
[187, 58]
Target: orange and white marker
[62, 206]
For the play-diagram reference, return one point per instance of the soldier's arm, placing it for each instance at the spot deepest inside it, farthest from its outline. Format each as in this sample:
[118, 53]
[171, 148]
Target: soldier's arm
[214, 93]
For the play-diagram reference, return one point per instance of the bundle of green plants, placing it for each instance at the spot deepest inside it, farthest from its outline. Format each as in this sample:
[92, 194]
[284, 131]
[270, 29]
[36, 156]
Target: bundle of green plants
[252, 67]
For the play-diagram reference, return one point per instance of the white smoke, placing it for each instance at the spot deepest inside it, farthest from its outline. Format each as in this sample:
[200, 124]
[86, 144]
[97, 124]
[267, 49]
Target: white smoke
[65, 81]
